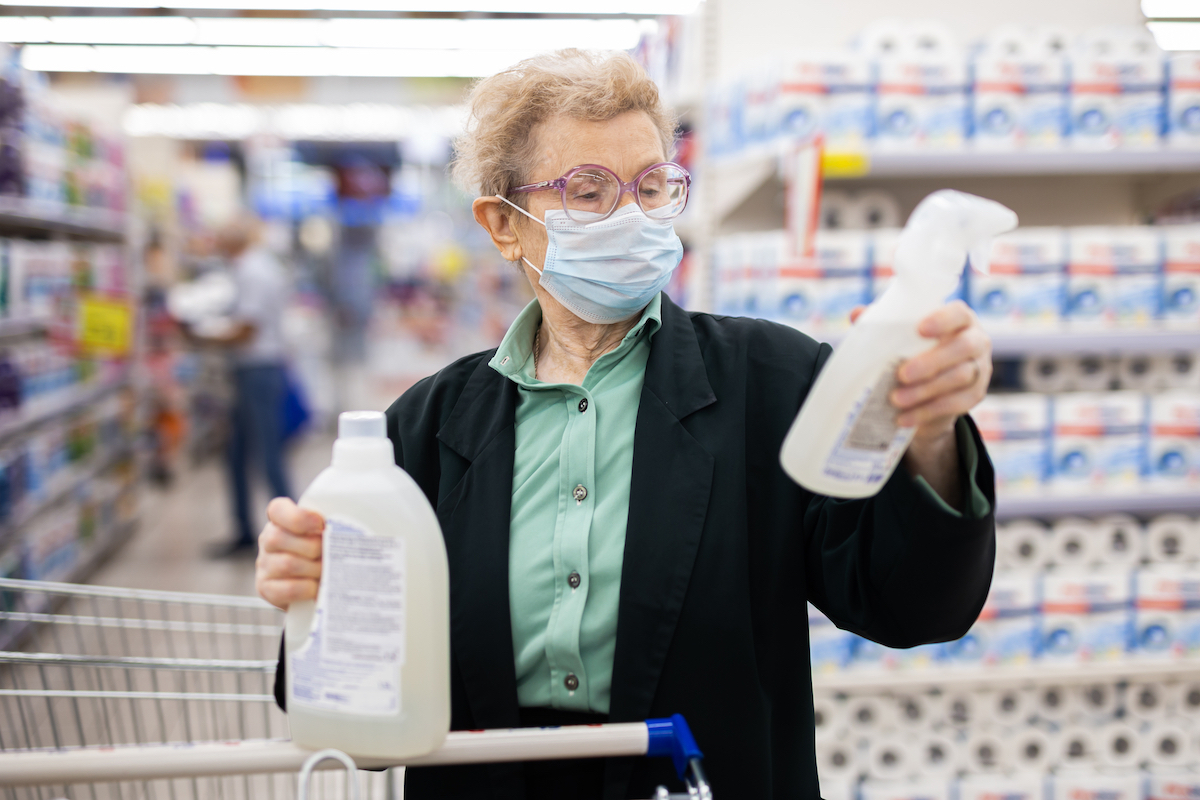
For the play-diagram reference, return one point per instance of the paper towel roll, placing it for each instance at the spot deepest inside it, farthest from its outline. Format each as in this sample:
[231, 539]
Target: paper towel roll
[838, 210]
[1171, 538]
[1091, 373]
[1047, 374]
[1119, 540]
[876, 209]
[1119, 746]
[1073, 542]
[1093, 701]
[1078, 746]
[890, 757]
[1168, 744]
[986, 751]
[959, 708]
[837, 759]
[1006, 706]
[1023, 544]
[829, 716]
[1146, 700]
[1032, 750]
[937, 754]
[1052, 703]
[869, 714]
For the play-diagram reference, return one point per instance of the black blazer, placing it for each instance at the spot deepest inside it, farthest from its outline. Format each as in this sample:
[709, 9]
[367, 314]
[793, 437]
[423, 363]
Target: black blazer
[721, 553]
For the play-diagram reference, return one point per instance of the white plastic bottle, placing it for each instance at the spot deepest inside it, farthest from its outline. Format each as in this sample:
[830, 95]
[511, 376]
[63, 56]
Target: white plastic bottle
[845, 441]
[368, 664]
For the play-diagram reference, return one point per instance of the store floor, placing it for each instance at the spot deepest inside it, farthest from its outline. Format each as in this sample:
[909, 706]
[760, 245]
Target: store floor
[179, 523]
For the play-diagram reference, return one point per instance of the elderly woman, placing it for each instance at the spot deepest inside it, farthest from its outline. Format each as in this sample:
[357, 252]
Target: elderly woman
[623, 542]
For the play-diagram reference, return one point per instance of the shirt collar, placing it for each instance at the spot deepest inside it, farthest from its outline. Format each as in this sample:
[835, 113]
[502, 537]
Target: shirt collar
[514, 356]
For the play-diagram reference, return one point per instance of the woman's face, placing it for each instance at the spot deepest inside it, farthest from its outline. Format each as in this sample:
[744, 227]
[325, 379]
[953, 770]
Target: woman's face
[626, 144]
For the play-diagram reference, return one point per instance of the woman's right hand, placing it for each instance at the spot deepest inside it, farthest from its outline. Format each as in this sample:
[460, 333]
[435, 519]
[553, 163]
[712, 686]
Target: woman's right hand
[288, 568]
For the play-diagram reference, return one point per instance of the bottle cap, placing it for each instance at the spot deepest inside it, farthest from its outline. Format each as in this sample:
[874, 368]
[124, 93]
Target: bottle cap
[361, 425]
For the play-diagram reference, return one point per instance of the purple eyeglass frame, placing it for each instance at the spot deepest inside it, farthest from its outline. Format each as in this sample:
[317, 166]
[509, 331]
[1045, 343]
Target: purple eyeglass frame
[561, 185]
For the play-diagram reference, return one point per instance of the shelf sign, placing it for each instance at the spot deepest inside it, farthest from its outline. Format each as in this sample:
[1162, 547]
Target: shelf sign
[802, 200]
[845, 164]
[105, 326]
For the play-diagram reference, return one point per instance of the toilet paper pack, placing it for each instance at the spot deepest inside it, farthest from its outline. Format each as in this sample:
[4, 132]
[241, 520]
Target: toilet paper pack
[1086, 615]
[1016, 429]
[1183, 99]
[1019, 100]
[1167, 612]
[1006, 631]
[831, 93]
[922, 101]
[1117, 96]
[1181, 274]
[917, 789]
[763, 254]
[844, 263]
[1094, 784]
[1113, 276]
[1018, 786]
[1099, 440]
[1174, 451]
[1172, 783]
[729, 266]
[1026, 282]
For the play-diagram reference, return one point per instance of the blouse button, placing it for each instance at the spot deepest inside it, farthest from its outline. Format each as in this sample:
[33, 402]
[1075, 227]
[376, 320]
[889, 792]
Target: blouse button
[571, 682]
[580, 493]
[583, 404]
[574, 580]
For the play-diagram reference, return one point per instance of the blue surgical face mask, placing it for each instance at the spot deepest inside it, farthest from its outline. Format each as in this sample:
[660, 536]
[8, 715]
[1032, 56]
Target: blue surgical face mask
[606, 271]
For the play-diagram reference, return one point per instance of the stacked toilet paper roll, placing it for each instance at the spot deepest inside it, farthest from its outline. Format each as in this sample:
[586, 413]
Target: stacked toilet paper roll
[1119, 746]
[1052, 703]
[1051, 374]
[1092, 702]
[1168, 743]
[1022, 544]
[1172, 538]
[959, 708]
[937, 754]
[869, 714]
[837, 210]
[1073, 543]
[987, 751]
[1158, 372]
[1007, 705]
[875, 209]
[1032, 750]
[1118, 540]
[837, 759]
[829, 716]
[1147, 701]
[915, 711]
[1183, 699]
[891, 756]
[1183, 370]
[1078, 746]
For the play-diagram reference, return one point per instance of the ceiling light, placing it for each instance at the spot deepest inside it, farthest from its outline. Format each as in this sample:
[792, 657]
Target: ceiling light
[425, 34]
[637, 8]
[1176, 35]
[1171, 9]
[355, 121]
[301, 61]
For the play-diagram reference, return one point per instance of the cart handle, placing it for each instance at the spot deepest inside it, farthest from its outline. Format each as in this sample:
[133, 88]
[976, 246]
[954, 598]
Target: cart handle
[672, 737]
[330, 754]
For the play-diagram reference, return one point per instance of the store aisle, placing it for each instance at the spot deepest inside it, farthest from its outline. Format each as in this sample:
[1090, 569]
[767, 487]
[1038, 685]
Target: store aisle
[178, 525]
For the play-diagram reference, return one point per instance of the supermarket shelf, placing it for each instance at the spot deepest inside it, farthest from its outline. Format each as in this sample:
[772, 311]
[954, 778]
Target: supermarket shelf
[24, 420]
[18, 215]
[1109, 341]
[61, 489]
[1049, 162]
[1033, 674]
[21, 326]
[1107, 502]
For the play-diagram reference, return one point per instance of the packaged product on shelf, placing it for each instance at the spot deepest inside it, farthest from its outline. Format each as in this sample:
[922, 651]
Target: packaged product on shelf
[1095, 784]
[1183, 100]
[837, 788]
[1016, 786]
[912, 789]
[1118, 90]
[1019, 92]
[729, 265]
[762, 90]
[1024, 286]
[1167, 612]
[1120, 540]
[1174, 452]
[1006, 632]
[1172, 783]
[1016, 429]
[875, 209]
[922, 100]
[1022, 544]
[844, 262]
[1181, 275]
[50, 545]
[764, 256]
[1172, 538]
[831, 93]
[1098, 441]
[1086, 615]
[1113, 276]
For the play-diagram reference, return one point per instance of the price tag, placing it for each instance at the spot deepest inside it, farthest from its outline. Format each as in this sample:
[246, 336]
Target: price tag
[105, 325]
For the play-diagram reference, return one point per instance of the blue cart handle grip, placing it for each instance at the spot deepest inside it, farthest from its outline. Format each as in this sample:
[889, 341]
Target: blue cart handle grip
[672, 737]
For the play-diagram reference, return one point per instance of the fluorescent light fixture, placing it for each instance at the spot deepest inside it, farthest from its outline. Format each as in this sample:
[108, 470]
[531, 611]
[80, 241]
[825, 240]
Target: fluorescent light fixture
[1176, 35]
[425, 34]
[637, 8]
[1171, 9]
[355, 121]
[301, 61]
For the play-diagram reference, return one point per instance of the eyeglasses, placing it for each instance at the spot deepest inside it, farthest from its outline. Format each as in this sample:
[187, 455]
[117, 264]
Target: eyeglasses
[591, 193]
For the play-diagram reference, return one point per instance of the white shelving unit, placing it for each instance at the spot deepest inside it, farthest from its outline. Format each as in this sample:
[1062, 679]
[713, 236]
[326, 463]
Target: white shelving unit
[1007, 344]
[18, 215]
[1109, 501]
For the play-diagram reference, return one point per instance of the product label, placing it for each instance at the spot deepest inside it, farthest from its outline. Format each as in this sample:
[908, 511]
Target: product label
[871, 443]
[350, 660]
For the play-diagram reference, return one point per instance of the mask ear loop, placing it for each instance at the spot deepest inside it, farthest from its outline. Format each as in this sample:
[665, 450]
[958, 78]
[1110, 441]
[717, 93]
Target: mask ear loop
[532, 217]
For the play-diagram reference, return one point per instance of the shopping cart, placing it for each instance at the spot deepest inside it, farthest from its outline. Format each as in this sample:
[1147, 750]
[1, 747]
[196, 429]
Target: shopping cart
[120, 693]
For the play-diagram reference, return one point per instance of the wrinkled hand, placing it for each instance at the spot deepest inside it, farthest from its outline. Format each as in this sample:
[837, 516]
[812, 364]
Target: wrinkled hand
[288, 568]
[949, 379]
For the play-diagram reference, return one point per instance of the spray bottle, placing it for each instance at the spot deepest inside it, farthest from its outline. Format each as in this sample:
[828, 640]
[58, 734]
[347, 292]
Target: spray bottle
[368, 663]
[845, 441]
